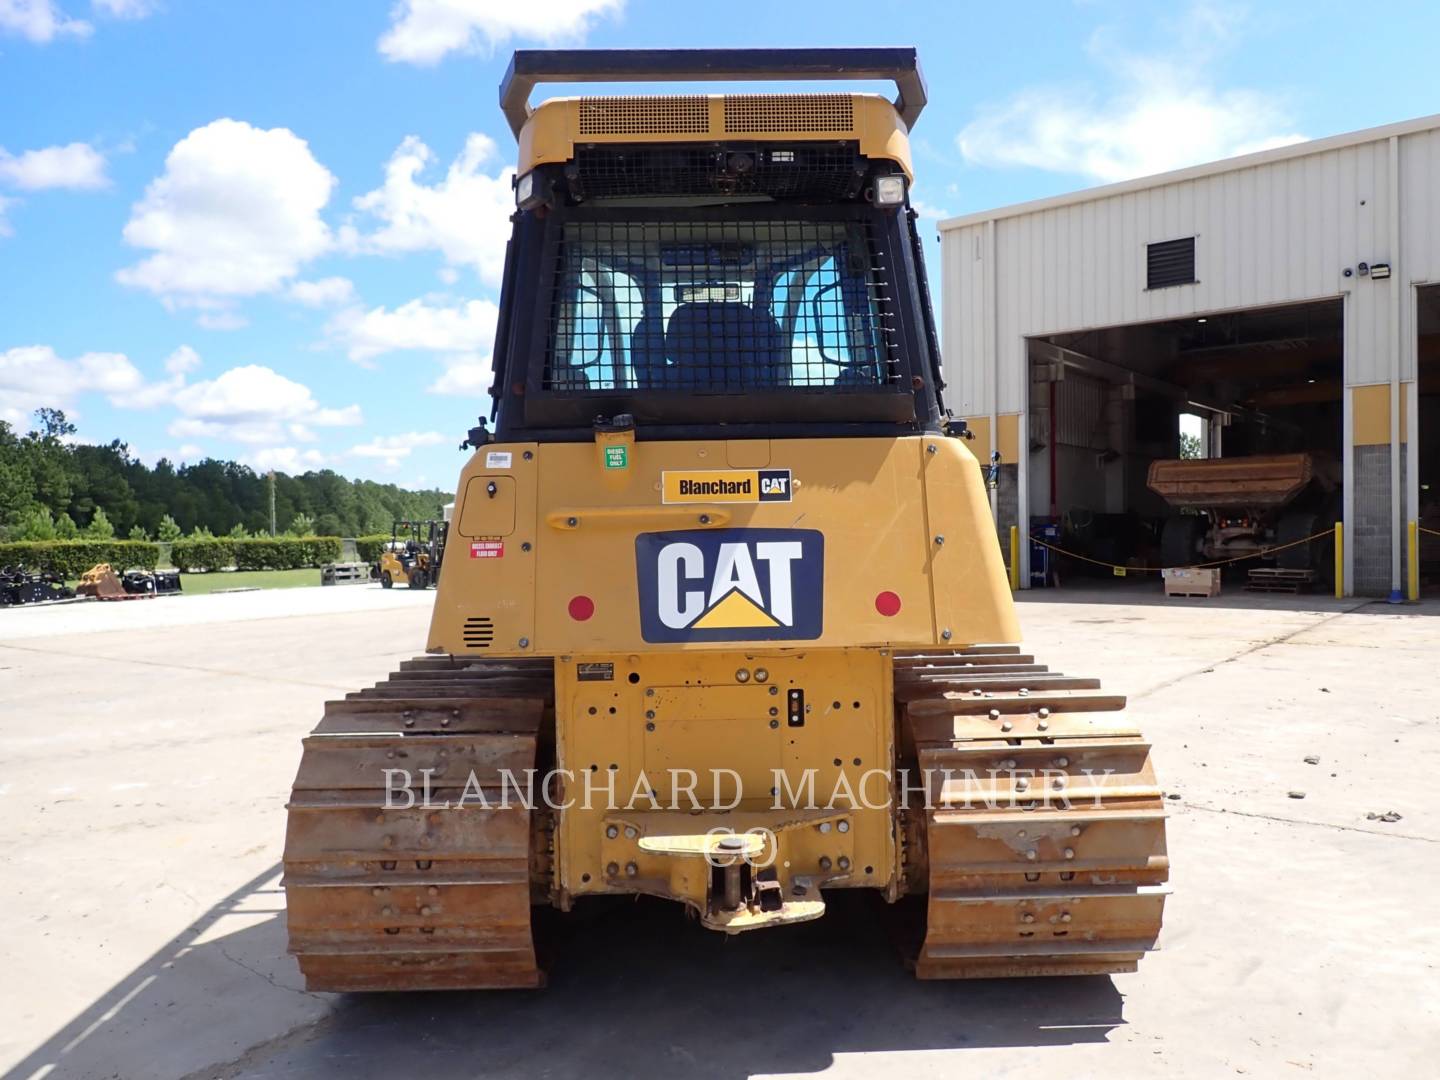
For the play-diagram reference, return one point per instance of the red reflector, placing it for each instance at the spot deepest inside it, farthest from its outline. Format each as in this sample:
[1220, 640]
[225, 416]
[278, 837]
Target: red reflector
[581, 608]
[887, 604]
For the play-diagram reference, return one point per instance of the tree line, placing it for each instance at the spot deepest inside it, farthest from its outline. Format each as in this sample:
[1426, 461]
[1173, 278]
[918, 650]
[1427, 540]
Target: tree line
[52, 488]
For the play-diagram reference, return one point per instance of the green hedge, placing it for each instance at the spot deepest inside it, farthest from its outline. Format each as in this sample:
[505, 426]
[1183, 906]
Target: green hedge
[285, 552]
[369, 548]
[210, 553]
[255, 553]
[71, 558]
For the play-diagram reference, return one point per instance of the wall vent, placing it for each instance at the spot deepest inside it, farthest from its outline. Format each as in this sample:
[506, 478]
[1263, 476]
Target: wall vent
[645, 116]
[1170, 262]
[479, 632]
[757, 114]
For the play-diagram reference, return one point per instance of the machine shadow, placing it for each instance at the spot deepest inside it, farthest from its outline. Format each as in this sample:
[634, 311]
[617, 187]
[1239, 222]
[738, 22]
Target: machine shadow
[635, 989]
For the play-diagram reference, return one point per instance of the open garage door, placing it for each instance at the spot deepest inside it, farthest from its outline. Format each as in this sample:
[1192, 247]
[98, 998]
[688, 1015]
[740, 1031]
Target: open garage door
[1190, 441]
[1427, 459]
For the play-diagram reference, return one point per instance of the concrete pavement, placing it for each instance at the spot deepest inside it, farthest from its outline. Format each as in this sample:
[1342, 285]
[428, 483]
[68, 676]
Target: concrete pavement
[145, 768]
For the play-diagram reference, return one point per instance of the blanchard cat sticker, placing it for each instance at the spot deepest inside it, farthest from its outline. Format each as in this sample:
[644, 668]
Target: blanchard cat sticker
[725, 486]
[731, 585]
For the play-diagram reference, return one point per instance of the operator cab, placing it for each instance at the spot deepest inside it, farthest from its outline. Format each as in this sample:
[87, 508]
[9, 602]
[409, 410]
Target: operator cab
[762, 278]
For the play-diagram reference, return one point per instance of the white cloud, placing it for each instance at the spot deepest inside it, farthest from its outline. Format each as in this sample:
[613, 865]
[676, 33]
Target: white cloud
[467, 375]
[126, 9]
[391, 450]
[77, 166]
[463, 327]
[236, 213]
[1161, 111]
[182, 360]
[40, 21]
[425, 31]
[286, 459]
[36, 376]
[254, 404]
[327, 292]
[465, 214]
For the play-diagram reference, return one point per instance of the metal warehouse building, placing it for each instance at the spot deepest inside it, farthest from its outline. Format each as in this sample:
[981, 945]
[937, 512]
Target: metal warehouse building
[1289, 300]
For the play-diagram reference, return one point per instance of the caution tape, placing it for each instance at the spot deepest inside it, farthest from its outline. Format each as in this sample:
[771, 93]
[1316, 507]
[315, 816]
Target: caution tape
[1121, 571]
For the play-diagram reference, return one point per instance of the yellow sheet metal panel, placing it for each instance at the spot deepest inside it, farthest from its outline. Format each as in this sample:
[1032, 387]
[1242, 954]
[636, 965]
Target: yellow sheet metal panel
[832, 544]
[558, 125]
[971, 594]
[1370, 412]
[628, 724]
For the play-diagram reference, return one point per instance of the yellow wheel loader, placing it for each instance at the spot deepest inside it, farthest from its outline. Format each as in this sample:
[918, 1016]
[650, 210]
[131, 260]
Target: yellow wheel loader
[726, 620]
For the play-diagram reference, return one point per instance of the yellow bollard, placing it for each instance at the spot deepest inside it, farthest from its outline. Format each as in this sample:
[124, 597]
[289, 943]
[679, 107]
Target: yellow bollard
[1339, 560]
[1412, 565]
[1014, 558]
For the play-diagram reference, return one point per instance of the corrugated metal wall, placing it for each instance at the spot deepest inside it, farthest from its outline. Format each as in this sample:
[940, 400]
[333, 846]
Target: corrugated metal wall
[1271, 233]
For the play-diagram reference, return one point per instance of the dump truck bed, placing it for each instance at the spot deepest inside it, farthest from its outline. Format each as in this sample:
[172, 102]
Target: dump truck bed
[1265, 480]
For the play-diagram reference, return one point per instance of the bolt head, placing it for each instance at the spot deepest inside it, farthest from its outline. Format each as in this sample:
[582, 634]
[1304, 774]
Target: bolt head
[824, 826]
[843, 826]
[1074, 830]
[844, 863]
[1043, 725]
[631, 832]
[1061, 762]
[1069, 853]
[1006, 726]
[761, 674]
[1031, 855]
[742, 675]
[945, 634]
[825, 863]
[994, 714]
[1044, 712]
[631, 869]
[1065, 916]
[425, 910]
[1027, 918]
[387, 911]
[524, 643]
[1022, 784]
[612, 831]
[612, 869]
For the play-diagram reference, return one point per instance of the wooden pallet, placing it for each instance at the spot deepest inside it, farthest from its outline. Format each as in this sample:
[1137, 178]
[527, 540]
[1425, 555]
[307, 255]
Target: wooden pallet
[1274, 579]
[346, 573]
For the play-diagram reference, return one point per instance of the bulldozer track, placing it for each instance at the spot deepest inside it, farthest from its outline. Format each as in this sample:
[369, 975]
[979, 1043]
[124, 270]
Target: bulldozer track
[1041, 837]
[422, 897]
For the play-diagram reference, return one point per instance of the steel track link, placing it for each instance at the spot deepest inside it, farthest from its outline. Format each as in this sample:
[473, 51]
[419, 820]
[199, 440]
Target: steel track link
[420, 897]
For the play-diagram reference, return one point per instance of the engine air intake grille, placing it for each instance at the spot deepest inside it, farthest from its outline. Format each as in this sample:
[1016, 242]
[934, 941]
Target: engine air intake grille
[759, 113]
[479, 632]
[645, 116]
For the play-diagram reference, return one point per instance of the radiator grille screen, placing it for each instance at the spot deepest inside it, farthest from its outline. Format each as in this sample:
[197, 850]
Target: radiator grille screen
[645, 116]
[760, 113]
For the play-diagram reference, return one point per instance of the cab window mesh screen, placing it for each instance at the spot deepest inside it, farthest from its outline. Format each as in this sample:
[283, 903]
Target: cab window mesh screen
[718, 306]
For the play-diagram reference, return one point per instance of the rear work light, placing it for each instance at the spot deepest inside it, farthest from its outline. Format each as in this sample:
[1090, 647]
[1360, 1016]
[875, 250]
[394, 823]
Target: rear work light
[890, 191]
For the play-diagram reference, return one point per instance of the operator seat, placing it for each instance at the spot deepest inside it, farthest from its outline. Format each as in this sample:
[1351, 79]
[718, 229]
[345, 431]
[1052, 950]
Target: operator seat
[709, 346]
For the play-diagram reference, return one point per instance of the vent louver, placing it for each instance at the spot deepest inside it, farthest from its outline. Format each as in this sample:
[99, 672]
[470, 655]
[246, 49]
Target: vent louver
[761, 113]
[1171, 262]
[479, 632]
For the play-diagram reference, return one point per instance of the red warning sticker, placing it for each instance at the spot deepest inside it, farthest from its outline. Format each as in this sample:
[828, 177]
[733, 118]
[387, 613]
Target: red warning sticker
[487, 549]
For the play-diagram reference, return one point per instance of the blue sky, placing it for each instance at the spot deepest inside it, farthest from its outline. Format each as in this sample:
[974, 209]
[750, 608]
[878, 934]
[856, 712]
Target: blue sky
[272, 231]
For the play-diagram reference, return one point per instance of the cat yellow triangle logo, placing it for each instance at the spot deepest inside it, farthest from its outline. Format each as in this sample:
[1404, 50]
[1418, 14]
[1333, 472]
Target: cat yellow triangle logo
[735, 610]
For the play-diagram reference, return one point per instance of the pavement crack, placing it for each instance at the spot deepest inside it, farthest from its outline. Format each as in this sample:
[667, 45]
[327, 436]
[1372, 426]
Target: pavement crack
[1314, 824]
[268, 978]
[1278, 639]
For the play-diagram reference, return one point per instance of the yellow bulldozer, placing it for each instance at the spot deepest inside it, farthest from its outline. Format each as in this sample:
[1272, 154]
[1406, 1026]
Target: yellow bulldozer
[726, 620]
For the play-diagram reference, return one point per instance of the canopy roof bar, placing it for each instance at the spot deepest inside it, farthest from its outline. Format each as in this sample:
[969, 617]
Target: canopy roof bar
[530, 67]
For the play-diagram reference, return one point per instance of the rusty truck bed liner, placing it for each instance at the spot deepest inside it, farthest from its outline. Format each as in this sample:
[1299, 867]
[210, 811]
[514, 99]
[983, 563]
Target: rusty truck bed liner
[1259, 481]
